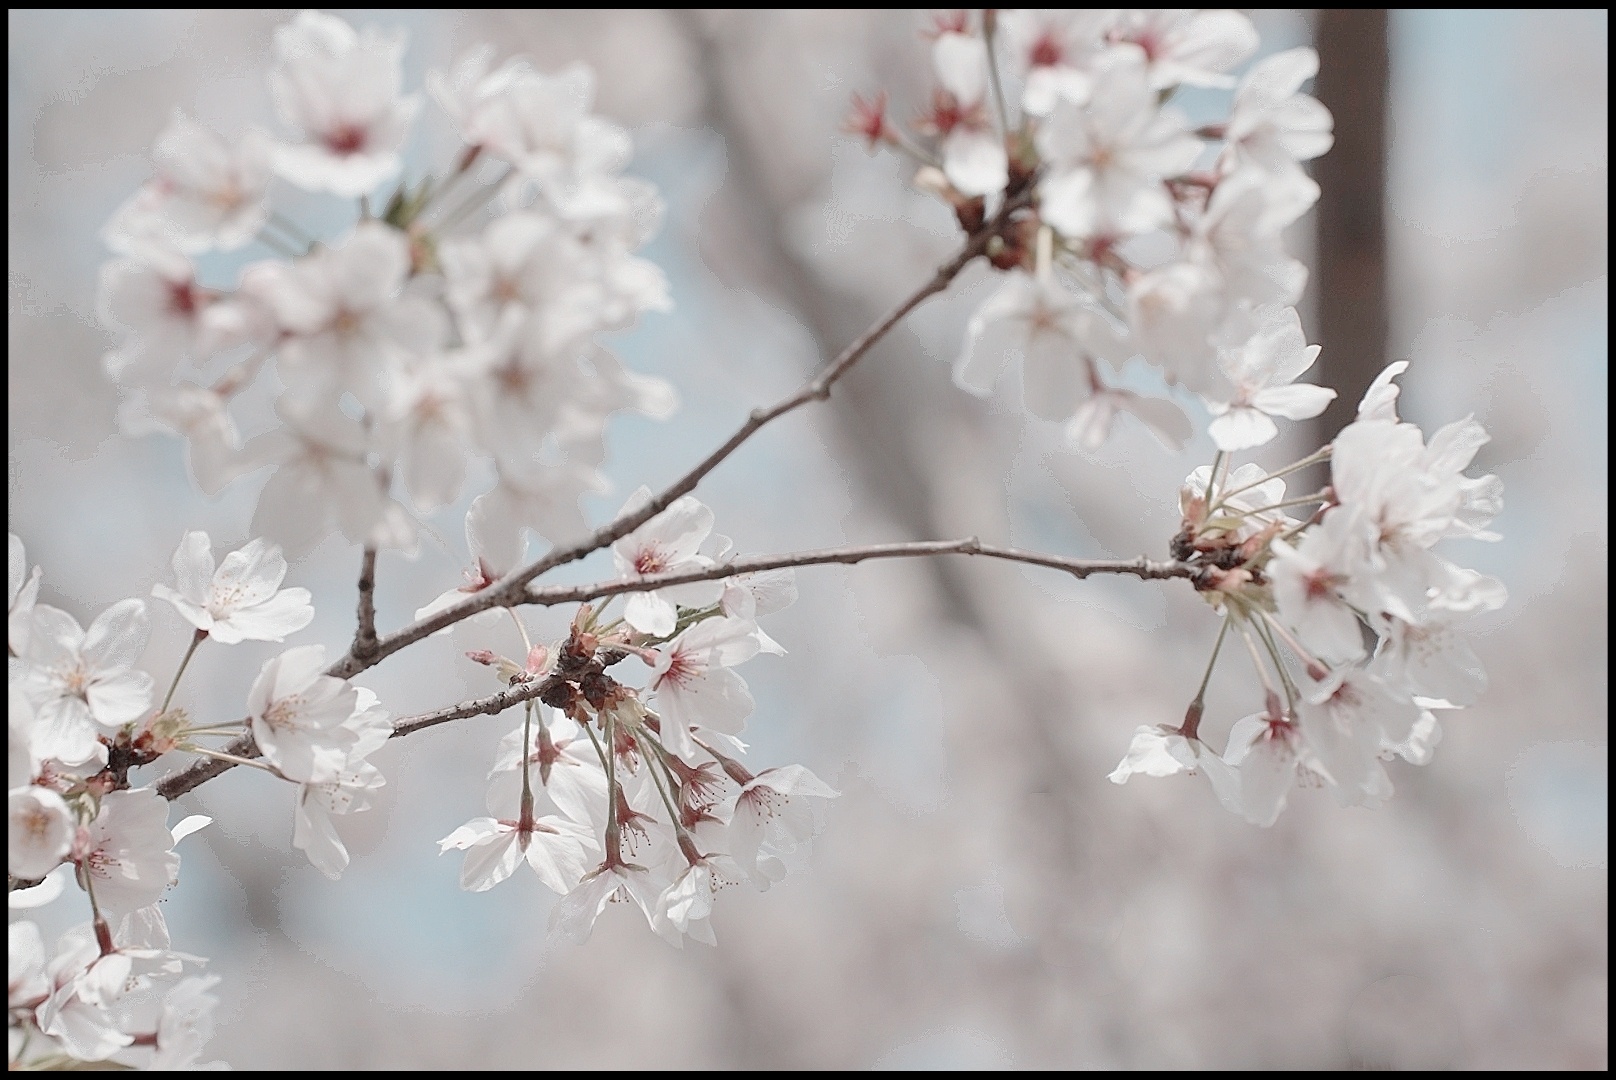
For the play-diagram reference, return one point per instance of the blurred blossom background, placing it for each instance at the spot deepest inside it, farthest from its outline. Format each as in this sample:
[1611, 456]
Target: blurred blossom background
[980, 896]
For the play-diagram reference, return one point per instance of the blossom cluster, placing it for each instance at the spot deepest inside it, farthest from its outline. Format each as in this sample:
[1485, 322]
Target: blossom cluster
[459, 318]
[1127, 232]
[611, 791]
[1354, 596]
[415, 343]
[81, 716]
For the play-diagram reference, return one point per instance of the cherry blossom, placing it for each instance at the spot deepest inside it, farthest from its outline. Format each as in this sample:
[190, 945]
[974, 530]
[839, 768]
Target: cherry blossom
[1049, 330]
[563, 768]
[324, 480]
[1345, 718]
[1269, 755]
[240, 601]
[345, 314]
[773, 815]
[299, 716]
[173, 1026]
[693, 684]
[1105, 158]
[1167, 751]
[82, 682]
[1241, 235]
[40, 831]
[127, 852]
[539, 123]
[974, 158]
[557, 849]
[1091, 424]
[342, 92]
[1185, 46]
[155, 303]
[668, 543]
[1051, 50]
[574, 916]
[1271, 123]
[1308, 580]
[1263, 371]
[202, 417]
[209, 192]
[684, 908]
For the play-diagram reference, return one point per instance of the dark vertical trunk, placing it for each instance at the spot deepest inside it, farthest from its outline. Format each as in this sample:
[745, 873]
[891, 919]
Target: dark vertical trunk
[1350, 284]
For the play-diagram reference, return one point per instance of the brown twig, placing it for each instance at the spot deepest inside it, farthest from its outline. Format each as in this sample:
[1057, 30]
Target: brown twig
[1142, 568]
[1145, 569]
[488, 706]
[204, 769]
[364, 642]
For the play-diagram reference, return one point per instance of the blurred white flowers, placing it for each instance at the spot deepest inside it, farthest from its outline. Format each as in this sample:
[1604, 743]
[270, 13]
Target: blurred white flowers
[342, 91]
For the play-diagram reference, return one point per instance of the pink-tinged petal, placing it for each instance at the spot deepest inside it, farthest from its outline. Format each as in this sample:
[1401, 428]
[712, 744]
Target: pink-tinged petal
[961, 63]
[495, 540]
[746, 839]
[679, 530]
[557, 857]
[1275, 78]
[797, 780]
[678, 715]
[694, 594]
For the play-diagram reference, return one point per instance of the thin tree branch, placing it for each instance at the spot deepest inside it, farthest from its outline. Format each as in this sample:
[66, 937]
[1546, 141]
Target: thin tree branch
[488, 706]
[364, 642]
[1142, 568]
[205, 769]
[201, 771]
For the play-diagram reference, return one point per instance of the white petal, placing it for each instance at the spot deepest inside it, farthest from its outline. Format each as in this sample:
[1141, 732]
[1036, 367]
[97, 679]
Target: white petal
[1242, 428]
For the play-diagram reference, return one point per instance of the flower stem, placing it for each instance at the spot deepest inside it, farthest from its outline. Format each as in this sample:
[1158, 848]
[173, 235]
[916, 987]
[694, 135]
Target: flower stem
[196, 639]
[220, 755]
[1314, 458]
[989, 28]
